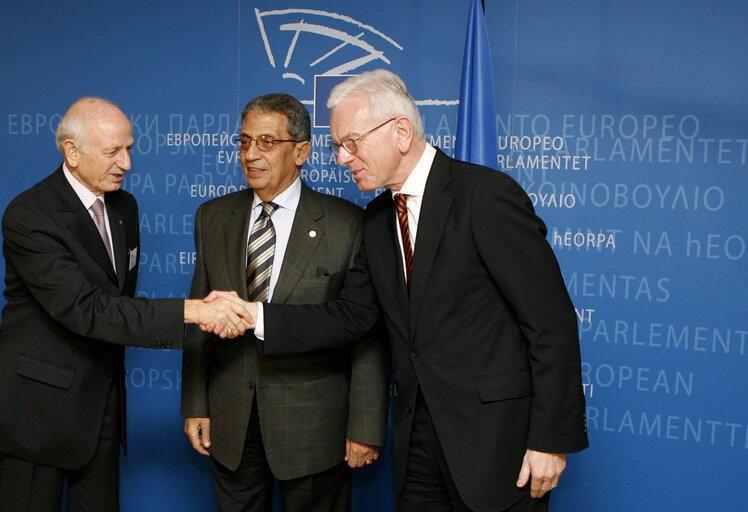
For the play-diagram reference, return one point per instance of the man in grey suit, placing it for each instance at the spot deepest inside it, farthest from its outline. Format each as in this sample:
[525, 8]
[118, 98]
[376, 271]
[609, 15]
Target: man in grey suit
[295, 418]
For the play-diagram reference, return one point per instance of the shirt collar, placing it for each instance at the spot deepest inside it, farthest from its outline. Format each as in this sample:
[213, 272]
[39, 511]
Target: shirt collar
[288, 199]
[415, 185]
[86, 196]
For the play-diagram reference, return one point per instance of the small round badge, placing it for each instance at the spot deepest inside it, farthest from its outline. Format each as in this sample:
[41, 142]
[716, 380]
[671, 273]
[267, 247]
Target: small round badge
[312, 234]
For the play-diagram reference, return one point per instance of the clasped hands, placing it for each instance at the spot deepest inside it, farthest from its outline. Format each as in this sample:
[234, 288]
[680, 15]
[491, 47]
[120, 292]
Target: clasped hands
[241, 316]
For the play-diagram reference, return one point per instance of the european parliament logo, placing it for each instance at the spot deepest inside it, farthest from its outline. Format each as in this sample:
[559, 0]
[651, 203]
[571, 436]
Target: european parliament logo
[305, 42]
[308, 45]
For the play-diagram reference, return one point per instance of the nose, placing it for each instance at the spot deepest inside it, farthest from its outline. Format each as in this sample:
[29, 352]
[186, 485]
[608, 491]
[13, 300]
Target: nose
[344, 157]
[252, 152]
[125, 163]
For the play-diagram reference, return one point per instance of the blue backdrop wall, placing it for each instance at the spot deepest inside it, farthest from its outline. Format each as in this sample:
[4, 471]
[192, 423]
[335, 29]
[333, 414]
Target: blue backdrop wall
[626, 122]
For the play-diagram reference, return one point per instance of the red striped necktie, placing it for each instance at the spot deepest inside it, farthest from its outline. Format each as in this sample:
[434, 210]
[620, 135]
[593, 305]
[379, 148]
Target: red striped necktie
[402, 220]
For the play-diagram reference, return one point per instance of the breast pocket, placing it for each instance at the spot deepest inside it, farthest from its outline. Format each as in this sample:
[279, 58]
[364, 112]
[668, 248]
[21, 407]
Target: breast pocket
[321, 287]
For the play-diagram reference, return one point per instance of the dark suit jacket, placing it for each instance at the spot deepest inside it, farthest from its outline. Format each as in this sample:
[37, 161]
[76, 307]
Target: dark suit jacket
[67, 319]
[488, 332]
[307, 404]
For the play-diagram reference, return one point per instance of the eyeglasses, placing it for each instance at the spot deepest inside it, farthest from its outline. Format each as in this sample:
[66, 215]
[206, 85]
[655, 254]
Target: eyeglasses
[350, 144]
[263, 142]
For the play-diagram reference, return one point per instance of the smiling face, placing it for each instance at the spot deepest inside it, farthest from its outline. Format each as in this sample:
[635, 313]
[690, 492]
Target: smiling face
[271, 172]
[100, 159]
[376, 162]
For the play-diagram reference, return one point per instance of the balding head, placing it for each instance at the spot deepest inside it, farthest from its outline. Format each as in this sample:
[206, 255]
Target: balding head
[95, 137]
[79, 117]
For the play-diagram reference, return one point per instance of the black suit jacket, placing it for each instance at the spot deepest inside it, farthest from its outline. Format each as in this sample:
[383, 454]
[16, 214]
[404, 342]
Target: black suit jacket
[67, 319]
[488, 331]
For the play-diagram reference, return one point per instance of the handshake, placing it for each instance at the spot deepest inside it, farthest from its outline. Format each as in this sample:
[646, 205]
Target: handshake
[222, 313]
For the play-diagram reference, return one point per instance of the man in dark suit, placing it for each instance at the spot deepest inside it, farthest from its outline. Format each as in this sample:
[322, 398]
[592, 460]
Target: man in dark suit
[482, 331]
[71, 253]
[293, 417]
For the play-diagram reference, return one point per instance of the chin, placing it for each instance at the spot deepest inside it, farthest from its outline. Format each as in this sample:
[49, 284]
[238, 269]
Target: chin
[365, 187]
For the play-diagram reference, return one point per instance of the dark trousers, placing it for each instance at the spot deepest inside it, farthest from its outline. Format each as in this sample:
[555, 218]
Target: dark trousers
[250, 487]
[428, 483]
[29, 487]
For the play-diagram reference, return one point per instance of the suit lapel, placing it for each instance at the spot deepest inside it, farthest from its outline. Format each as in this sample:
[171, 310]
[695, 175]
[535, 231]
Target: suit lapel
[389, 259]
[119, 241]
[237, 221]
[77, 219]
[433, 218]
[301, 244]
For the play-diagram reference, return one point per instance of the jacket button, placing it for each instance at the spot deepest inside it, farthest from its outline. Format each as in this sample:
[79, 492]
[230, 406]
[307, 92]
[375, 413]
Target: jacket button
[409, 409]
[251, 385]
[415, 354]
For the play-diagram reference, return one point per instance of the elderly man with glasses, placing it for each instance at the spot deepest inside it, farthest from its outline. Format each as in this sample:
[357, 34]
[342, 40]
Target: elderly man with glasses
[305, 420]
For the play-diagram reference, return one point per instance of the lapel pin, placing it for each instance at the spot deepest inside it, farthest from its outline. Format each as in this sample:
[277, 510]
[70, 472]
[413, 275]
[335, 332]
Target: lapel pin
[312, 234]
[121, 221]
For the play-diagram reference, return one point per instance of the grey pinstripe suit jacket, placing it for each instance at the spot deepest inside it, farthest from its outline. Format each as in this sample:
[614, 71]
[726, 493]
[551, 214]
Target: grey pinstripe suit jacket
[308, 404]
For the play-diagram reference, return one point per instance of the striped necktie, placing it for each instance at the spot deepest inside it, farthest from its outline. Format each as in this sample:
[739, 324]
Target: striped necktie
[402, 220]
[260, 251]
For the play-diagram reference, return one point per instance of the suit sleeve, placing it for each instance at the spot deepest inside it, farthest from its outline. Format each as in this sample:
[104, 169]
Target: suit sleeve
[368, 397]
[60, 286]
[291, 329]
[198, 345]
[524, 267]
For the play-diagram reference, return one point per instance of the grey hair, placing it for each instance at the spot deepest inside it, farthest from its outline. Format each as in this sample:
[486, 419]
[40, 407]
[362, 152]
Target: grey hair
[299, 123]
[388, 97]
[73, 123]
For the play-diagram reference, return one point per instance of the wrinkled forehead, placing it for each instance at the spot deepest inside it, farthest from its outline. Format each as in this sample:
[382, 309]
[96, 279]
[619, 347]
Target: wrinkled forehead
[109, 130]
[350, 118]
[265, 122]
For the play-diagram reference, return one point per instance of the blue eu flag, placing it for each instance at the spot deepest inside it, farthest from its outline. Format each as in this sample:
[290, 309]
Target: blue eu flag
[476, 140]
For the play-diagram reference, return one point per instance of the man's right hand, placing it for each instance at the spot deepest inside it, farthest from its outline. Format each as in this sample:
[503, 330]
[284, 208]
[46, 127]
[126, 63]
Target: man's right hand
[227, 311]
[198, 431]
[249, 308]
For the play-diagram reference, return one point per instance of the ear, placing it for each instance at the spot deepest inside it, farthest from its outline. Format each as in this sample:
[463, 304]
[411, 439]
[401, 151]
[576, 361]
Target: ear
[404, 130]
[71, 153]
[302, 152]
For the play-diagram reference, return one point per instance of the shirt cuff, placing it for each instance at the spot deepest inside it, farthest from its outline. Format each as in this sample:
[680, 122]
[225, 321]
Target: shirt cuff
[260, 323]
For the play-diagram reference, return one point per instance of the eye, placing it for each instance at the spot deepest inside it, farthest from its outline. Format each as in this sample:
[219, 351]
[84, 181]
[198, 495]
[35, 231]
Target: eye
[266, 142]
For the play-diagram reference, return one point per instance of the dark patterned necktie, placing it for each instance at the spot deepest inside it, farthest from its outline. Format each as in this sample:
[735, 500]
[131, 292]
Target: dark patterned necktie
[260, 251]
[98, 210]
[402, 220]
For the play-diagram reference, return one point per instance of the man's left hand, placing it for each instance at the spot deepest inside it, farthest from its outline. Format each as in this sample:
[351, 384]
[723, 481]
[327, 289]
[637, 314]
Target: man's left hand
[360, 454]
[545, 469]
